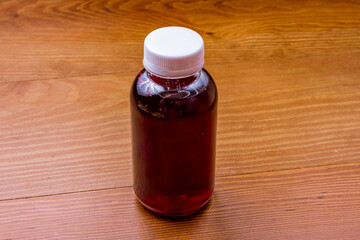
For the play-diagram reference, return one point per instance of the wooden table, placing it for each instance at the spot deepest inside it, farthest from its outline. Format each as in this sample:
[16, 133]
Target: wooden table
[288, 149]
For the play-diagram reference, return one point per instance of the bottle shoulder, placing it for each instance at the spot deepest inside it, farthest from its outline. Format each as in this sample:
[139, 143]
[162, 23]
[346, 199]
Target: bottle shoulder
[162, 102]
[144, 86]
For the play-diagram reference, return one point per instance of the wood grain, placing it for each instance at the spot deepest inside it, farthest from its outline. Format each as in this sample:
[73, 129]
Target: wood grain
[296, 204]
[52, 39]
[288, 76]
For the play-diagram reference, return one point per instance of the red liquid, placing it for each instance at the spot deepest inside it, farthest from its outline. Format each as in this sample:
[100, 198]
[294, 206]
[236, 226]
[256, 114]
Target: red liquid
[173, 140]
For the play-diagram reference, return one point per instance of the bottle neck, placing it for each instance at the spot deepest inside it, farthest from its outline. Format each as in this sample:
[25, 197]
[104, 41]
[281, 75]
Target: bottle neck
[174, 82]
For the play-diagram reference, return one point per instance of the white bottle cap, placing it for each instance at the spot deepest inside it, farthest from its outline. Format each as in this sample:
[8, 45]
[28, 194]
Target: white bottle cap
[173, 52]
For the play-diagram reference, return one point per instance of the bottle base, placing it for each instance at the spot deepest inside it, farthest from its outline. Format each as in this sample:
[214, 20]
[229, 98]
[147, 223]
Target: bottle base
[170, 214]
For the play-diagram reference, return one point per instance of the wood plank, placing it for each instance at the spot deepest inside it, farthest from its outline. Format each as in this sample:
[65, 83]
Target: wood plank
[317, 203]
[73, 134]
[288, 113]
[64, 135]
[58, 39]
[71, 147]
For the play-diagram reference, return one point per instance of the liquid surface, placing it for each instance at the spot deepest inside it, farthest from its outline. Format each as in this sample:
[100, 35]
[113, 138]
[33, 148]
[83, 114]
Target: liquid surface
[173, 139]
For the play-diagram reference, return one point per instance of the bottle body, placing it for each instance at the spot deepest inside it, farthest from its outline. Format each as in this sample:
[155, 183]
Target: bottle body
[173, 141]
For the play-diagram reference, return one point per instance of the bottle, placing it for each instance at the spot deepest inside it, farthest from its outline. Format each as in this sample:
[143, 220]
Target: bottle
[173, 103]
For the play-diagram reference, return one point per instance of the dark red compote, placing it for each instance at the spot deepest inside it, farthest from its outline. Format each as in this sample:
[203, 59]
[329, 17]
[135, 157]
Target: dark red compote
[173, 140]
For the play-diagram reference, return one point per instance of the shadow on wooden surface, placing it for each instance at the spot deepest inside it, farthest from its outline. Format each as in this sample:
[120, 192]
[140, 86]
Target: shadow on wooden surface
[192, 225]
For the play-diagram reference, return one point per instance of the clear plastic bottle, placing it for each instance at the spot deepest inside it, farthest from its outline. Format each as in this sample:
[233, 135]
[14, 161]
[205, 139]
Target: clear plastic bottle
[173, 117]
